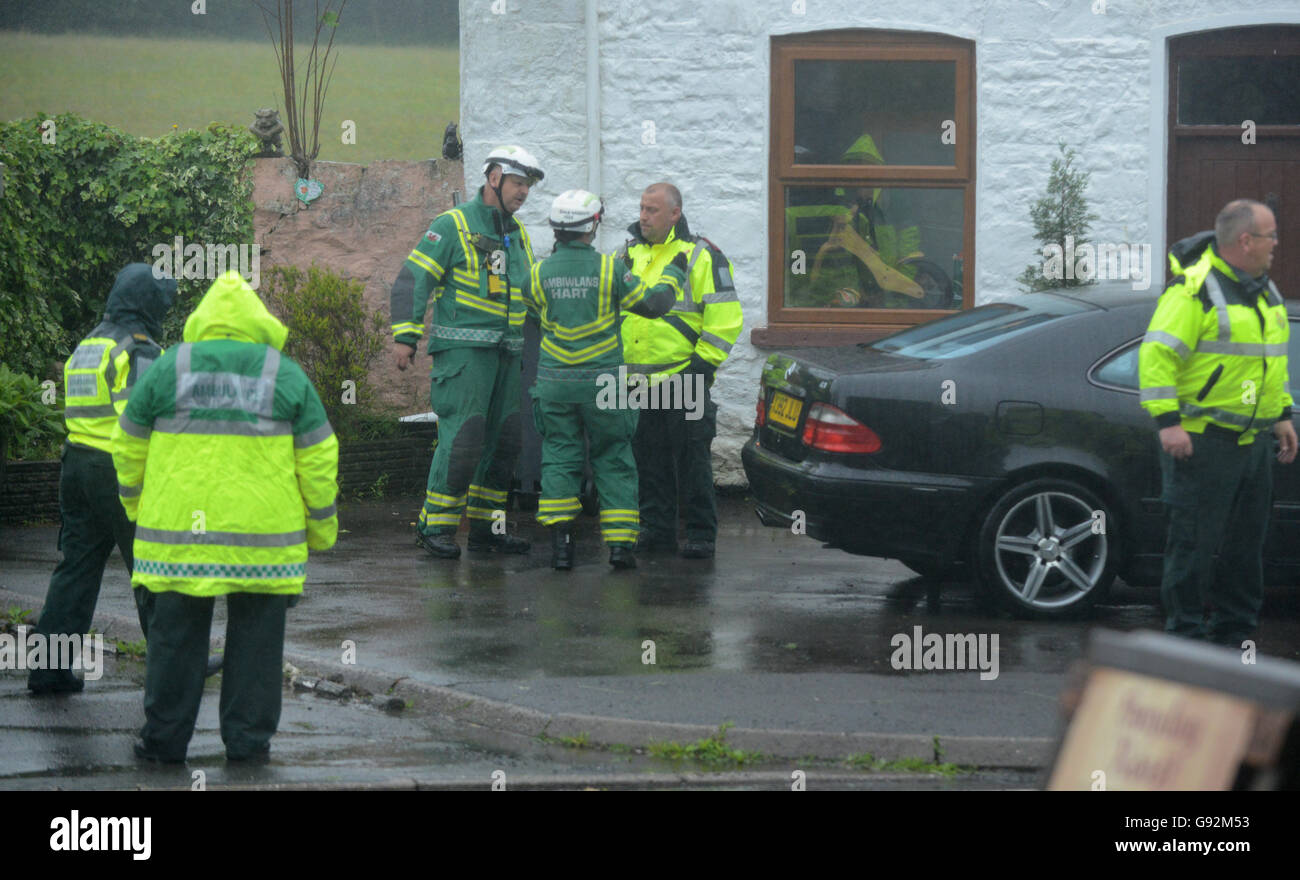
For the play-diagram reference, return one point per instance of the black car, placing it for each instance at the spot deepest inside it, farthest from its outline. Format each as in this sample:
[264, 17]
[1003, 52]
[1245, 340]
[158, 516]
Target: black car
[1005, 443]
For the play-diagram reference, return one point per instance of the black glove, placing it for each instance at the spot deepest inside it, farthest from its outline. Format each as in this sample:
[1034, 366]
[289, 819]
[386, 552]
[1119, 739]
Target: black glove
[700, 365]
[680, 262]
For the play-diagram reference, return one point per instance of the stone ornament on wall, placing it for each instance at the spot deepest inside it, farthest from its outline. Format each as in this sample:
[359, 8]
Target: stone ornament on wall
[267, 126]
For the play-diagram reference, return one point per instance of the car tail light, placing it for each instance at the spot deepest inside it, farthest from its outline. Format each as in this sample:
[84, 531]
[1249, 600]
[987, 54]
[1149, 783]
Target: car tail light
[832, 430]
[760, 414]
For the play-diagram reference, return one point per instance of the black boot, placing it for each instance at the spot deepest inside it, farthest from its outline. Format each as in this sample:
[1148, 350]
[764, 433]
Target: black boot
[482, 538]
[443, 546]
[561, 548]
[621, 556]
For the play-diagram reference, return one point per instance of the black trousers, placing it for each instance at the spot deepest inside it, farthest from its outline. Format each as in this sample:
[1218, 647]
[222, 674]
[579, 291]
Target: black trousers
[93, 522]
[1219, 500]
[674, 456]
[251, 679]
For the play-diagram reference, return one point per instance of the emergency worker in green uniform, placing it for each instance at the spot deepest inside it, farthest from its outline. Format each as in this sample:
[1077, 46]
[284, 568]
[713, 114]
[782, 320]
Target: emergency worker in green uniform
[97, 381]
[1213, 371]
[577, 295]
[227, 464]
[473, 261]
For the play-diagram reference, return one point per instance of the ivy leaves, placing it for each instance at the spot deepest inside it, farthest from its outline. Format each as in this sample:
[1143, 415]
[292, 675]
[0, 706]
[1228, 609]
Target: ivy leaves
[77, 210]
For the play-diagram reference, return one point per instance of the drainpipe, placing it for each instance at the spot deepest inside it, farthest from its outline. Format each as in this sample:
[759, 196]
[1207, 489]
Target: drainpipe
[593, 98]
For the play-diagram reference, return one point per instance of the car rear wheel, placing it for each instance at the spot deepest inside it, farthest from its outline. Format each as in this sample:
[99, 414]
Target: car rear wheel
[1047, 549]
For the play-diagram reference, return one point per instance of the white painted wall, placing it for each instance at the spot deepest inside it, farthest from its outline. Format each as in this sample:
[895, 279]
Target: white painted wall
[699, 71]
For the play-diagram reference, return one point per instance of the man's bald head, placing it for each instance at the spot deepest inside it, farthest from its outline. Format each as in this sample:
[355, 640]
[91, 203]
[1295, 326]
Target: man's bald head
[661, 208]
[1245, 233]
[670, 192]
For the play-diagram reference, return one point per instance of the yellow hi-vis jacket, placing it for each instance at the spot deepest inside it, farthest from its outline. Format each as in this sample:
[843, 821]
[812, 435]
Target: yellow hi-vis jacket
[97, 381]
[225, 458]
[705, 321]
[1215, 352]
[98, 377]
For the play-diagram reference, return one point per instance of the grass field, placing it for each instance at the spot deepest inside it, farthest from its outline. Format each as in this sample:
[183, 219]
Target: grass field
[400, 98]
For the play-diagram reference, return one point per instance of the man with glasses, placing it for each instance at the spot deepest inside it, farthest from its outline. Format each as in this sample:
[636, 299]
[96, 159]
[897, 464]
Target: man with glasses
[1213, 369]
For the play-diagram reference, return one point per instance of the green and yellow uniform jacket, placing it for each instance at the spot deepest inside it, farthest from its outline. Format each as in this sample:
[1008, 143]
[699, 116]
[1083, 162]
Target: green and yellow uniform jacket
[1215, 352]
[705, 321]
[100, 374]
[577, 295]
[225, 459]
[475, 271]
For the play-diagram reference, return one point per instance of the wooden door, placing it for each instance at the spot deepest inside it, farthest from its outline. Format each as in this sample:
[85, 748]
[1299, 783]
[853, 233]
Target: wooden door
[1218, 81]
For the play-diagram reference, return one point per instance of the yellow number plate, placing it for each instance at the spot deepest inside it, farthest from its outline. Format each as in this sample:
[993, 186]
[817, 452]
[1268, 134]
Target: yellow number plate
[785, 410]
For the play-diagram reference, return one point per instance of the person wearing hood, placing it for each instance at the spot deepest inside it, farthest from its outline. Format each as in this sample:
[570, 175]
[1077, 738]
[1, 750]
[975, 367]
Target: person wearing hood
[98, 379]
[1213, 371]
[227, 464]
[672, 446]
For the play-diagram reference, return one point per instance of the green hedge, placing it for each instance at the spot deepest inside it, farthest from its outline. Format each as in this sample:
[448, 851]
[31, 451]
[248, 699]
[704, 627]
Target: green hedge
[77, 210]
[334, 339]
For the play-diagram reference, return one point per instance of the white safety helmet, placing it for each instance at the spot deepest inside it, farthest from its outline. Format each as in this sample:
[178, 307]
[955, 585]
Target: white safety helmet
[576, 211]
[514, 160]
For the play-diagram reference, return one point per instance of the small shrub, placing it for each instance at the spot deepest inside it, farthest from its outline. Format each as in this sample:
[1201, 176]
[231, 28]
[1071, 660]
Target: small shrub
[331, 336]
[1062, 212]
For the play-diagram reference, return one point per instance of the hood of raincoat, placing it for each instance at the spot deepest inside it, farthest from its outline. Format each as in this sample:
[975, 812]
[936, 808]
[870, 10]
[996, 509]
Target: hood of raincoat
[232, 310]
[139, 300]
[1188, 250]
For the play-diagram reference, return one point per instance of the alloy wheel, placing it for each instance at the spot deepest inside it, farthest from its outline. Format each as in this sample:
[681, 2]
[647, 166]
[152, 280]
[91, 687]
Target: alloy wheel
[1051, 551]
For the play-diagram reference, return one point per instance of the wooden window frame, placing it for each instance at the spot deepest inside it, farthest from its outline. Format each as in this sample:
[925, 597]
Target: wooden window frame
[828, 326]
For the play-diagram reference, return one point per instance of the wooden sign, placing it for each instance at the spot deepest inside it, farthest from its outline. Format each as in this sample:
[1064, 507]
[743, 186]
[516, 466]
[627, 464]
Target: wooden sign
[1132, 732]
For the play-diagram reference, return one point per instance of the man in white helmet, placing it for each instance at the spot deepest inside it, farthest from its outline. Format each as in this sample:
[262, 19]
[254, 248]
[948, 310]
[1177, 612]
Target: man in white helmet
[577, 295]
[473, 261]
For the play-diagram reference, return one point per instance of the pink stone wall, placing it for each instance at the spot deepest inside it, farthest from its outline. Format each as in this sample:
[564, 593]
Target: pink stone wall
[363, 225]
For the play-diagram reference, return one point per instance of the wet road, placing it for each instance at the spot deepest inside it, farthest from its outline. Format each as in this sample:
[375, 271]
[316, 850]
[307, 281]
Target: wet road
[775, 633]
[84, 743]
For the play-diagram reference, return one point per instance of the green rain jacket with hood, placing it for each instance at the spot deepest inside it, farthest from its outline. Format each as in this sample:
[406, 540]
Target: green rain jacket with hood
[225, 458]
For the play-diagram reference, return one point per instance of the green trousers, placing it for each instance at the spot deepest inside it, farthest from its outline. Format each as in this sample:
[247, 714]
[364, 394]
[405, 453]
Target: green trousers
[251, 672]
[609, 445]
[475, 392]
[93, 521]
[1219, 502]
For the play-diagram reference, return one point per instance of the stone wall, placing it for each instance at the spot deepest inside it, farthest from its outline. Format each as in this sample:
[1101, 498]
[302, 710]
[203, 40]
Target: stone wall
[699, 73]
[362, 226]
[29, 491]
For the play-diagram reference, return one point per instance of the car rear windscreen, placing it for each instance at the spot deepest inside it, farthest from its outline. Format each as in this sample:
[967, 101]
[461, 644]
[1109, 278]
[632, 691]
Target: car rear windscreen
[968, 332]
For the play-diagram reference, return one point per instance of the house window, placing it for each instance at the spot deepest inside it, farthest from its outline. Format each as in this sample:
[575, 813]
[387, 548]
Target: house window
[872, 184]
